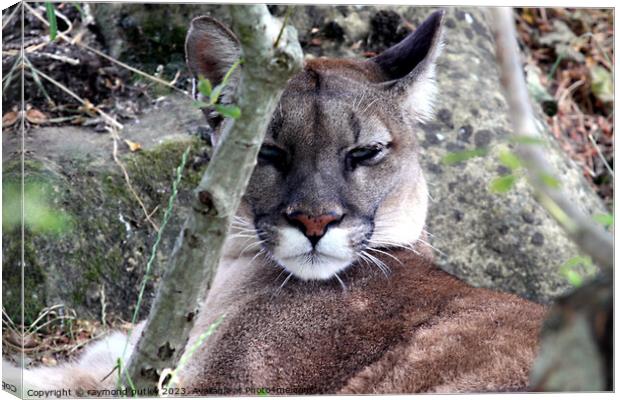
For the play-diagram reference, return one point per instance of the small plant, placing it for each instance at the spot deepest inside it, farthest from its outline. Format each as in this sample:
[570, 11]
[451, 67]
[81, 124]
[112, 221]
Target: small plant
[40, 214]
[578, 269]
[460, 156]
[213, 94]
[607, 220]
[51, 18]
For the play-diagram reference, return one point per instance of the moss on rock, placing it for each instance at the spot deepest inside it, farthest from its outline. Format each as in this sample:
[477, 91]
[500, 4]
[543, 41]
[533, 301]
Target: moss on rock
[105, 248]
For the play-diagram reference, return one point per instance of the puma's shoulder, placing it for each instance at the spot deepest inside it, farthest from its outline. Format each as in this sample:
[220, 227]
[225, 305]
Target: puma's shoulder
[419, 329]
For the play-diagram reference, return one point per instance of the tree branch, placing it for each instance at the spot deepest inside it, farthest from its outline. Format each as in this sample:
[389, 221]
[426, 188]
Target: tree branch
[589, 236]
[576, 338]
[194, 260]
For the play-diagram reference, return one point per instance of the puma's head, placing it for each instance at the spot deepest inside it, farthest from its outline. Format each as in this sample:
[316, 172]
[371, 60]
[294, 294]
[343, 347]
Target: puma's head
[338, 175]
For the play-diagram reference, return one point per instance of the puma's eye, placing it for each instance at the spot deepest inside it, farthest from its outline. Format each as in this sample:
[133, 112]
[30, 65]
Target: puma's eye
[272, 155]
[366, 155]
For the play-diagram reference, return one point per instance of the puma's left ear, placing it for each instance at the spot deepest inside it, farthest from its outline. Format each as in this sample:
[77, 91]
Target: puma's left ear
[409, 66]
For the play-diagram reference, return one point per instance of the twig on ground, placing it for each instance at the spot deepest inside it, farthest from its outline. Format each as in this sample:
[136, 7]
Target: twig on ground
[569, 90]
[600, 154]
[35, 76]
[85, 103]
[115, 139]
[103, 305]
[68, 60]
[6, 20]
[107, 57]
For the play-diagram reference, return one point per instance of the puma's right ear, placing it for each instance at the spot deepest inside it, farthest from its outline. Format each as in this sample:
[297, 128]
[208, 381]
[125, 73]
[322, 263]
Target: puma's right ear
[409, 67]
[210, 49]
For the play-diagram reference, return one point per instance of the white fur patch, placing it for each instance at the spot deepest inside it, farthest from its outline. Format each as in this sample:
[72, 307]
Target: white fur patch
[333, 253]
[422, 94]
[402, 225]
[421, 98]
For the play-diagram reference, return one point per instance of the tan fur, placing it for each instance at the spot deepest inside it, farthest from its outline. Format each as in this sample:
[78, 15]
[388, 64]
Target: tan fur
[418, 330]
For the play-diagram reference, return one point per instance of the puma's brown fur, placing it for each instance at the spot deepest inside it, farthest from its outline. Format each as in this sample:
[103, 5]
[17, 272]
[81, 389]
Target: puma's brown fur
[419, 329]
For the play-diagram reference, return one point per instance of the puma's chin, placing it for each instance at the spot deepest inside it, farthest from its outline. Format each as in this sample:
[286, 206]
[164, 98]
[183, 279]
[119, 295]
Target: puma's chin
[314, 267]
[295, 253]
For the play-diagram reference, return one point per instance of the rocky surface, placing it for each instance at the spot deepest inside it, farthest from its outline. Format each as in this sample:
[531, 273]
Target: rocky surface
[505, 241]
[99, 255]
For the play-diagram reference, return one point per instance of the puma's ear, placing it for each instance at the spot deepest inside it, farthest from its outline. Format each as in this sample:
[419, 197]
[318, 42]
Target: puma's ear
[410, 66]
[211, 49]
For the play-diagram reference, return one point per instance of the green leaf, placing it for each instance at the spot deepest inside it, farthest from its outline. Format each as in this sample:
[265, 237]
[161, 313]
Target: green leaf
[549, 180]
[509, 160]
[527, 139]
[573, 277]
[215, 94]
[570, 269]
[459, 156]
[231, 111]
[503, 183]
[200, 104]
[230, 71]
[576, 261]
[40, 216]
[606, 220]
[204, 86]
[51, 18]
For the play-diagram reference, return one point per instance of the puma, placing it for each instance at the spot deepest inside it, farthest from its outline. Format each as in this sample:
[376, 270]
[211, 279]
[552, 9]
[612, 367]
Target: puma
[327, 283]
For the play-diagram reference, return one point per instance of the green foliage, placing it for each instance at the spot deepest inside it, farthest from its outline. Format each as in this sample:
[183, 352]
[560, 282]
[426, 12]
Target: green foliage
[187, 355]
[549, 180]
[39, 214]
[509, 160]
[577, 269]
[230, 111]
[206, 88]
[167, 214]
[527, 139]
[606, 220]
[503, 184]
[460, 156]
[51, 18]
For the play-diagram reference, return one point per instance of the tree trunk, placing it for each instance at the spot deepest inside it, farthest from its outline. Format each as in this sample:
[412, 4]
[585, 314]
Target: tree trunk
[265, 70]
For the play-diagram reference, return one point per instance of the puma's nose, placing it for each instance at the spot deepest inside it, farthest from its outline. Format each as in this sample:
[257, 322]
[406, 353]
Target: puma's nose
[314, 227]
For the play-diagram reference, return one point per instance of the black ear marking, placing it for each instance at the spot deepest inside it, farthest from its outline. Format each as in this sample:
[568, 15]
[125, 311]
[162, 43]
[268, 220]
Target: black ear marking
[402, 58]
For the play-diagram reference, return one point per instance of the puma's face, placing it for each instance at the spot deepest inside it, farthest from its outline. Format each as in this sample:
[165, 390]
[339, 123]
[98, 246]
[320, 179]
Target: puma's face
[338, 176]
[335, 152]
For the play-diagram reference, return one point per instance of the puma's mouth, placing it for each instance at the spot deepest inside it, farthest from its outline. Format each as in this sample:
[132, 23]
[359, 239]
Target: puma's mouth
[315, 257]
[295, 253]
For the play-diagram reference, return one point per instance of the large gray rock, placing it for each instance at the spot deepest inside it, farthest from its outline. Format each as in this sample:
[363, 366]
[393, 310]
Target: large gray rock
[95, 250]
[506, 241]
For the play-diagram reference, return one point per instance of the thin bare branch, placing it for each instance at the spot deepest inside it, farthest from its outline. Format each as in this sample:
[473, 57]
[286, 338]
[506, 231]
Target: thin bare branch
[589, 236]
[192, 264]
